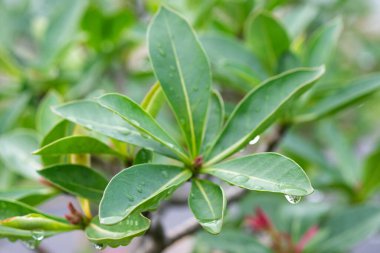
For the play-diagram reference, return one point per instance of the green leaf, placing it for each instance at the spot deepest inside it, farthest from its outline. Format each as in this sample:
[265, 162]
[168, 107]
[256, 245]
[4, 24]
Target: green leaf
[61, 29]
[348, 227]
[182, 68]
[140, 119]
[298, 18]
[16, 153]
[215, 118]
[143, 156]
[153, 100]
[342, 98]
[264, 172]
[321, 46]
[267, 38]
[35, 221]
[370, 182]
[97, 118]
[29, 196]
[120, 234]
[260, 108]
[11, 208]
[45, 118]
[76, 145]
[231, 240]
[60, 130]
[207, 202]
[76, 179]
[9, 117]
[232, 61]
[19, 221]
[342, 152]
[139, 188]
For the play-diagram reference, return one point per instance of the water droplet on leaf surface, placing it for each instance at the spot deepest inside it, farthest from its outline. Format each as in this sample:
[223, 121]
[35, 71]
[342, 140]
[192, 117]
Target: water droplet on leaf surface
[254, 140]
[98, 246]
[293, 199]
[240, 179]
[38, 235]
[165, 173]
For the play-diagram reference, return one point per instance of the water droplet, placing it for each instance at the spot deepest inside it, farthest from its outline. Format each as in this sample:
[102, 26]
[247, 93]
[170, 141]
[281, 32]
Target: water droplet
[139, 188]
[98, 246]
[31, 244]
[240, 179]
[254, 140]
[165, 173]
[172, 67]
[130, 198]
[293, 199]
[134, 122]
[136, 223]
[38, 235]
[162, 52]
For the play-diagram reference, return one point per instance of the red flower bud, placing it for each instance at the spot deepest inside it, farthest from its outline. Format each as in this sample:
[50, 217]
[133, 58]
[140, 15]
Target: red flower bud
[260, 221]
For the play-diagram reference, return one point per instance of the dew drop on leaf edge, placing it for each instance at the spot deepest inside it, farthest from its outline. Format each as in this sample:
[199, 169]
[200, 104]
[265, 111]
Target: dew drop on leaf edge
[98, 246]
[293, 199]
[38, 235]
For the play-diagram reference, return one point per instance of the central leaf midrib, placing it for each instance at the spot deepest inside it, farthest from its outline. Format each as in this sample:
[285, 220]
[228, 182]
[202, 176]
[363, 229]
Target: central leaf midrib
[206, 198]
[183, 85]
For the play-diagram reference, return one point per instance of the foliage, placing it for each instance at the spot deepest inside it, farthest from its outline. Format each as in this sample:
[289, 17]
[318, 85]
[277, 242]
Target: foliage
[122, 104]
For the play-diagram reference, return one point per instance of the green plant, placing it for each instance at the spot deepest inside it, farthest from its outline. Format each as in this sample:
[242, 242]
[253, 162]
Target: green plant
[123, 160]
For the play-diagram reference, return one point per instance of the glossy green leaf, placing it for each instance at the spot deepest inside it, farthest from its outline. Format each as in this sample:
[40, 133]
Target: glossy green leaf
[260, 108]
[232, 61]
[207, 202]
[264, 172]
[348, 227]
[140, 119]
[182, 68]
[19, 221]
[76, 179]
[11, 208]
[45, 118]
[215, 119]
[267, 38]
[321, 46]
[342, 98]
[16, 152]
[76, 145]
[35, 221]
[97, 118]
[31, 196]
[139, 188]
[60, 130]
[120, 234]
